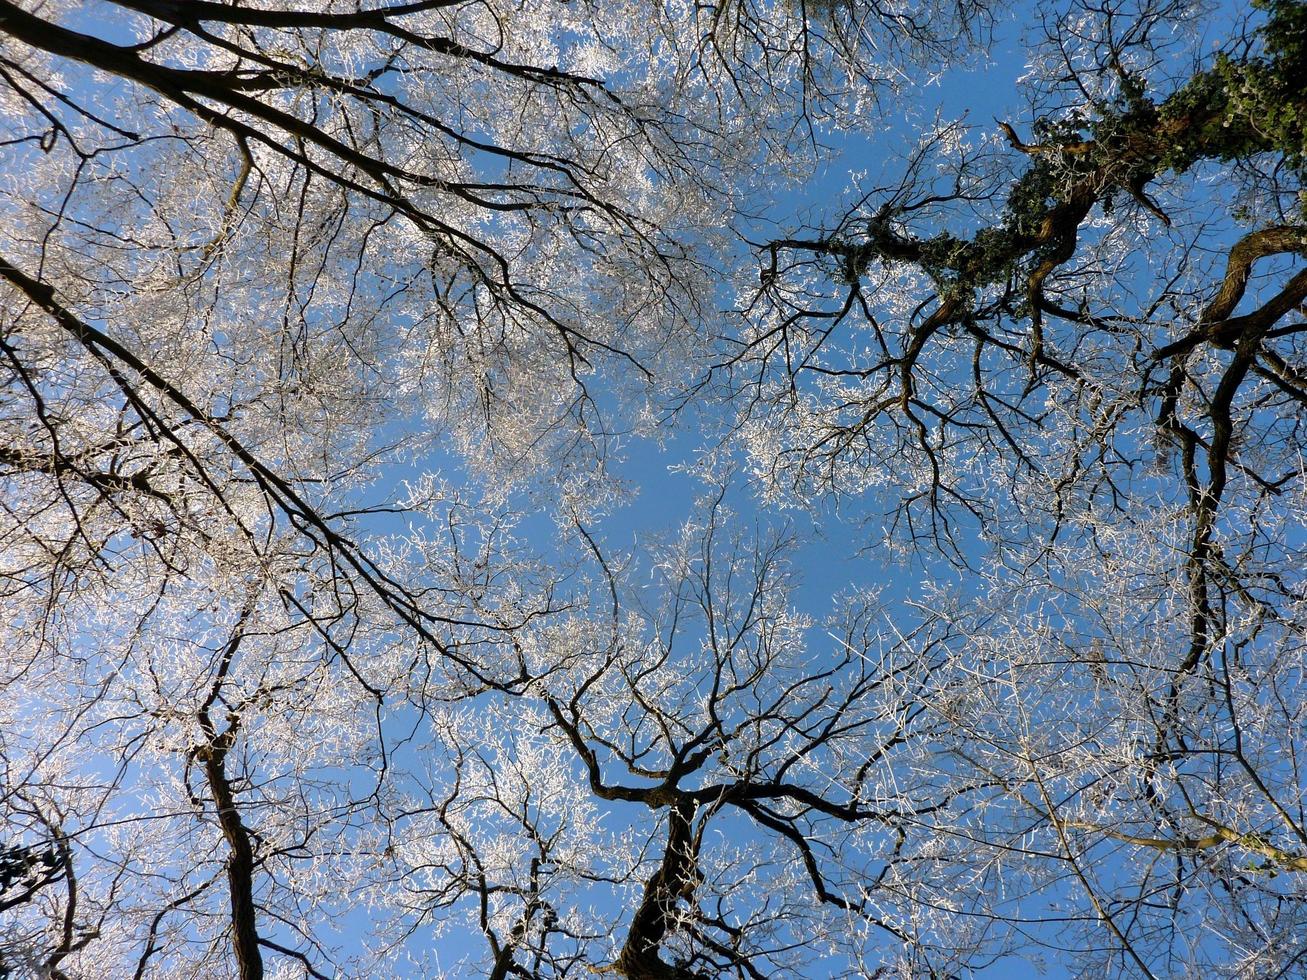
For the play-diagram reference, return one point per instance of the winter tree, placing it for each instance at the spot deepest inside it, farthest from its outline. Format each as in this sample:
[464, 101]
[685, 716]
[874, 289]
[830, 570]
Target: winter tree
[1071, 360]
[323, 328]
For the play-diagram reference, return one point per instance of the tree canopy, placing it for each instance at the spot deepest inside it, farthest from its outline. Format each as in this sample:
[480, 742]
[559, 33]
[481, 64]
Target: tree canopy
[328, 646]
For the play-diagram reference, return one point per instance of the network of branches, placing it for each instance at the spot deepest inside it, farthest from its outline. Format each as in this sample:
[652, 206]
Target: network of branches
[327, 648]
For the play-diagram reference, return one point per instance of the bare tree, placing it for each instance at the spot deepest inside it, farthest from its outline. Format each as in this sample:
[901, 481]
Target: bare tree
[253, 257]
[1071, 359]
[319, 325]
[713, 785]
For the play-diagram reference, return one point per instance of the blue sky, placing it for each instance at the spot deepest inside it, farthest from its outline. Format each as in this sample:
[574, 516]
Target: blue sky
[833, 555]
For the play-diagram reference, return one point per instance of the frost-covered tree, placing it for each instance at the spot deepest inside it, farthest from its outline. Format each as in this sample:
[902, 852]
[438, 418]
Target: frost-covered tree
[319, 326]
[272, 274]
[1069, 355]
